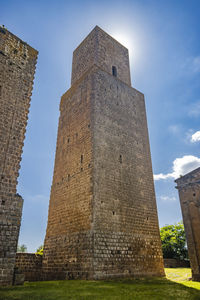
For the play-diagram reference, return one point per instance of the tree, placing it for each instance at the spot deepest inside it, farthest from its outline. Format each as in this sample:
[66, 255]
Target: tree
[39, 250]
[174, 241]
[22, 248]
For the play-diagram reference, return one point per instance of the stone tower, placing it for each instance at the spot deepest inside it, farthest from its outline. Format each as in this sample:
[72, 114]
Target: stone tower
[17, 68]
[189, 193]
[102, 219]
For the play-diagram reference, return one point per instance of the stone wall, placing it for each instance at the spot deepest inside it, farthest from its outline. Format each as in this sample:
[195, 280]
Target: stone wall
[30, 265]
[189, 193]
[17, 68]
[176, 263]
[102, 219]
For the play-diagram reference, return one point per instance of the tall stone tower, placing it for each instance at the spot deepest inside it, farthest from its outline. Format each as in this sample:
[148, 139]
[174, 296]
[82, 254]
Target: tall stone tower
[102, 219]
[17, 68]
[189, 193]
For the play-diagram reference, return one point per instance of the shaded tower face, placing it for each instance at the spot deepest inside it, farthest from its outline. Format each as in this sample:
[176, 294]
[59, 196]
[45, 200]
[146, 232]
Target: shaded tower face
[189, 193]
[17, 68]
[102, 213]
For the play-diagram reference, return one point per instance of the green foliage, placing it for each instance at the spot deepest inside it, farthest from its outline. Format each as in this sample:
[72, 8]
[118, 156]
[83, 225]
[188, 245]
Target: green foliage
[174, 241]
[39, 250]
[22, 248]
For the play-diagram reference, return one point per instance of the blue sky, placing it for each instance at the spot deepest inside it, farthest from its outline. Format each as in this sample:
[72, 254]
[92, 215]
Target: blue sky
[163, 40]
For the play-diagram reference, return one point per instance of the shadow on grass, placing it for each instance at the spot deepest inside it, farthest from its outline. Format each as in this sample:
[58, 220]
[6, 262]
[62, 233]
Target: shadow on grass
[126, 289]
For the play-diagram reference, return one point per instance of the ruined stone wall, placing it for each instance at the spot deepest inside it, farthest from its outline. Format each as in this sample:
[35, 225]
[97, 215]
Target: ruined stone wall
[176, 263]
[189, 193]
[102, 215]
[17, 67]
[30, 265]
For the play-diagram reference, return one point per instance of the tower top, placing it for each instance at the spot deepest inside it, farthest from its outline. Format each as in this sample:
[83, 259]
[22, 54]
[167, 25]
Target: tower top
[101, 49]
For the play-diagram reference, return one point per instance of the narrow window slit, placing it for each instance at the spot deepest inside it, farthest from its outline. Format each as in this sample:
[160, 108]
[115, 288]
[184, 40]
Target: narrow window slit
[114, 71]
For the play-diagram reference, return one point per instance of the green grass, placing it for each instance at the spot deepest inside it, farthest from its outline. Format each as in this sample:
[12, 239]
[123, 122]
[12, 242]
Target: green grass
[176, 286]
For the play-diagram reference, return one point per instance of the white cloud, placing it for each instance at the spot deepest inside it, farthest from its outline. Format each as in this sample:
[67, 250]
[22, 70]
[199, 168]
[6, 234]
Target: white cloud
[181, 166]
[167, 198]
[195, 137]
[163, 176]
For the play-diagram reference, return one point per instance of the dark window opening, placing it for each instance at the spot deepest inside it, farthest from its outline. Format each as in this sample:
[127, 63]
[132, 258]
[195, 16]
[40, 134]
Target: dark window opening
[81, 158]
[120, 158]
[114, 71]
[3, 202]
[194, 194]
[0, 90]
[68, 140]
[68, 176]
[113, 213]
[81, 169]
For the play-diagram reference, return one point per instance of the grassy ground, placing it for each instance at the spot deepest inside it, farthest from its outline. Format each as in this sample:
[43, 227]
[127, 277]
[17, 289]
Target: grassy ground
[176, 286]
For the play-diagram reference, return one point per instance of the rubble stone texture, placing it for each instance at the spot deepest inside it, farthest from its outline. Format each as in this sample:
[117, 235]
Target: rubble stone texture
[189, 194]
[17, 68]
[102, 219]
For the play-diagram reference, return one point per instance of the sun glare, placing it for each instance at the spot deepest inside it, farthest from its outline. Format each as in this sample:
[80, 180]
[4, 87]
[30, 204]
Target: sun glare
[128, 41]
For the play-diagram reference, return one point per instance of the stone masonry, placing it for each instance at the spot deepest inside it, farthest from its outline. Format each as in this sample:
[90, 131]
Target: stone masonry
[102, 219]
[17, 68]
[30, 265]
[189, 193]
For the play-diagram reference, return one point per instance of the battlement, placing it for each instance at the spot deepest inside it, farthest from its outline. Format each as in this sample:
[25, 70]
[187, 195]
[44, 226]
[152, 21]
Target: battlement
[101, 49]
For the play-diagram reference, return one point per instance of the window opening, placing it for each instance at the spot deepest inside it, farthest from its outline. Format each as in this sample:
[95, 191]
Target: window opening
[114, 71]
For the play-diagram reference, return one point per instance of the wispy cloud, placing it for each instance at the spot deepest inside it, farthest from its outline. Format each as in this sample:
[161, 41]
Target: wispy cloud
[174, 129]
[191, 65]
[196, 64]
[181, 166]
[37, 198]
[194, 109]
[168, 199]
[195, 137]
